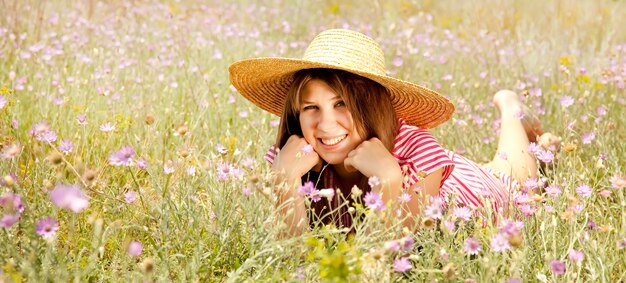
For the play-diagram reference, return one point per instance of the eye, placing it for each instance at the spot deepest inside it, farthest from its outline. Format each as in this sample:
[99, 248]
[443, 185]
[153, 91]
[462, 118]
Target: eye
[309, 107]
[340, 104]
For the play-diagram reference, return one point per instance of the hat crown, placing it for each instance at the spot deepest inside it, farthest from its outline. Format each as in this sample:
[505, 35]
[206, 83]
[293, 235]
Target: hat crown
[347, 49]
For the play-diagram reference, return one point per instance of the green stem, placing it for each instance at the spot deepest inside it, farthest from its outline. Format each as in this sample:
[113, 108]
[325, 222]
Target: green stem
[143, 204]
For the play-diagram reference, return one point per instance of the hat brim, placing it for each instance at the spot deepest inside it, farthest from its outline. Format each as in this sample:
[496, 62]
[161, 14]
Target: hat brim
[265, 82]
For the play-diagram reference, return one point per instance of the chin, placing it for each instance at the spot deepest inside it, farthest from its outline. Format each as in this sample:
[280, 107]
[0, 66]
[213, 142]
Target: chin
[334, 160]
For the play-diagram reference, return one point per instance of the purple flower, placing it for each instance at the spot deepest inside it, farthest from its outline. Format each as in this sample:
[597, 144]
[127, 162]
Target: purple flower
[566, 101]
[39, 128]
[107, 127]
[588, 137]
[130, 196]
[223, 171]
[307, 149]
[472, 246]
[601, 110]
[527, 210]
[534, 148]
[511, 228]
[392, 245]
[3, 101]
[531, 183]
[12, 209]
[11, 151]
[404, 198]
[463, 213]
[124, 157]
[618, 181]
[81, 119]
[134, 249]
[407, 243]
[8, 220]
[513, 280]
[434, 210]
[307, 188]
[373, 201]
[401, 265]
[47, 227]
[553, 191]
[576, 256]
[450, 225]
[557, 267]
[142, 164]
[499, 243]
[168, 167]
[48, 136]
[621, 244]
[69, 197]
[583, 191]
[373, 181]
[66, 146]
[545, 156]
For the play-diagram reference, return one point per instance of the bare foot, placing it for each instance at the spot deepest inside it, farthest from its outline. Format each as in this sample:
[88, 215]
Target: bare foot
[550, 142]
[507, 100]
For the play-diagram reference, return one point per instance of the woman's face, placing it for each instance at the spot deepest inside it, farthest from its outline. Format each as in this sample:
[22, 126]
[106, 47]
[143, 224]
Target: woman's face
[326, 123]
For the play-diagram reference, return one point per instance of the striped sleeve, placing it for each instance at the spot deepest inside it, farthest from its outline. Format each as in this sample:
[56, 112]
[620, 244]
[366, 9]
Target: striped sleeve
[270, 155]
[419, 154]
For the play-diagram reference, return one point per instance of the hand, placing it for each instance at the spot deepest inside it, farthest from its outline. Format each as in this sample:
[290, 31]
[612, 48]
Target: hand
[292, 161]
[371, 158]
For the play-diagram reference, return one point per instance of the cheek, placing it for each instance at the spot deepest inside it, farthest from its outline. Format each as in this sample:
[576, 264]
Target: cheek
[306, 124]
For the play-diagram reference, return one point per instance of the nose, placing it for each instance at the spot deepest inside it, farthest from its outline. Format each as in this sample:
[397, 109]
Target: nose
[327, 121]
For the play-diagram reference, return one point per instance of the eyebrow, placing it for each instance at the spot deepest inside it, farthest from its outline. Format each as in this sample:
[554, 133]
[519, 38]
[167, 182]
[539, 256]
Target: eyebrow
[337, 97]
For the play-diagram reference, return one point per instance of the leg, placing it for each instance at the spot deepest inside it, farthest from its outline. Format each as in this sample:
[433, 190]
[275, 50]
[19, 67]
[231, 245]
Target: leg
[512, 157]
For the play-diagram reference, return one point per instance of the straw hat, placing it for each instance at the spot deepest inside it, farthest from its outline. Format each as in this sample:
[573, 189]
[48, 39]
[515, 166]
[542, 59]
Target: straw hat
[265, 81]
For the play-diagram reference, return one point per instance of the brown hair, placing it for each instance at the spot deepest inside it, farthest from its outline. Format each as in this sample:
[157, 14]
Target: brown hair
[368, 102]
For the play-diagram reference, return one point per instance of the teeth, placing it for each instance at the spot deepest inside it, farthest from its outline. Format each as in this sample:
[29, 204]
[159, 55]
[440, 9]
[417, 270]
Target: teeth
[333, 141]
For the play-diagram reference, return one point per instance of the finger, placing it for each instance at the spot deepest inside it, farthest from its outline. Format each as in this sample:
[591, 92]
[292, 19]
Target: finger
[347, 164]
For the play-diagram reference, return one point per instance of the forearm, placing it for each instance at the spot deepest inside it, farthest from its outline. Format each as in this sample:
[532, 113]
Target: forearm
[291, 205]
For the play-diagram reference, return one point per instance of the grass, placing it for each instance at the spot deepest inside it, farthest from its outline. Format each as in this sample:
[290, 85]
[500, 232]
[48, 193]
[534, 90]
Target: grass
[157, 72]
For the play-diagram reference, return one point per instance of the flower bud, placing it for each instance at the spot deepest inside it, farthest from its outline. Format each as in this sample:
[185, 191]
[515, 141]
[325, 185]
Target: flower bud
[149, 120]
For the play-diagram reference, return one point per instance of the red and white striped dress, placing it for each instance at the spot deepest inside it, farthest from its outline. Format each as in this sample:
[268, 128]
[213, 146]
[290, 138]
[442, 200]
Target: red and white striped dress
[464, 182]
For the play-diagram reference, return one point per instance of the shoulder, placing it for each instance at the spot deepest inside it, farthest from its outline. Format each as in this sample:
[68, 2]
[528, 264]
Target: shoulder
[412, 140]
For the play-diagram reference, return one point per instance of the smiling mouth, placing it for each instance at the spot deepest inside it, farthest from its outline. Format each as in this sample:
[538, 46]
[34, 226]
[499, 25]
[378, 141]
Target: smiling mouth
[333, 141]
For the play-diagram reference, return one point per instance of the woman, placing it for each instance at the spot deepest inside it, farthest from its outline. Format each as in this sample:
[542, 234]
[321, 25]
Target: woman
[344, 122]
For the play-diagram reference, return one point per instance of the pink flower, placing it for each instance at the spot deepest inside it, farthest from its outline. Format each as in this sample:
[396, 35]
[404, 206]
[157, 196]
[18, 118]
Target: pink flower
[306, 189]
[557, 267]
[47, 227]
[307, 149]
[66, 146]
[583, 191]
[404, 198]
[373, 181]
[587, 138]
[134, 249]
[499, 243]
[576, 256]
[472, 246]
[618, 181]
[566, 101]
[463, 213]
[433, 210]
[373, 201]
[107, 127]
[553, 191]
[545, 156]
[401, 265]
[130, 196]
[123, 157]
[69, 197]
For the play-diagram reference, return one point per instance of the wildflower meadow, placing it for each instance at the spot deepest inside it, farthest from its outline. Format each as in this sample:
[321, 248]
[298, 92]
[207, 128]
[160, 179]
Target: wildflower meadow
[127, 156]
